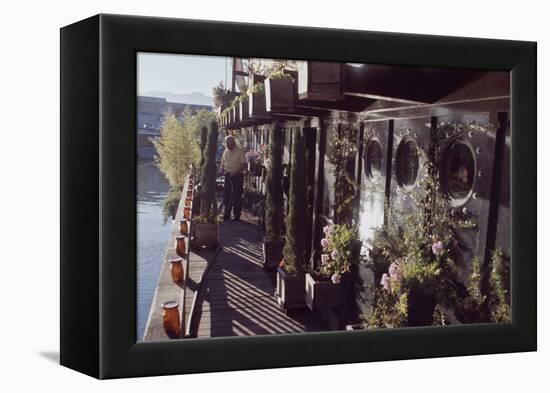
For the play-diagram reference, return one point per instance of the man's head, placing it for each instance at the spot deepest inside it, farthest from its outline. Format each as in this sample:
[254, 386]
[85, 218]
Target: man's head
[230, 142]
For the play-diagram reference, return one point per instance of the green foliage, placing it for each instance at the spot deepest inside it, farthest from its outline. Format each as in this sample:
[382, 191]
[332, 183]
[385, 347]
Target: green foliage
[274, 187]
[277, 70]
[340, 248]
[170, 203]
[493, 303]
[258, 88]
[220, 95]
[294, 249]
[196, 121]
[499, 294]
[280, 74]
[390, 310]
[420, 250]
[208, 210]
[202, 145]
[342, 155]
[176, 148]
[425, 250]
[418, 274]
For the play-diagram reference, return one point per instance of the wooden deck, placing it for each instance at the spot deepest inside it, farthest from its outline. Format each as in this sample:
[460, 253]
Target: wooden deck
[237, 295]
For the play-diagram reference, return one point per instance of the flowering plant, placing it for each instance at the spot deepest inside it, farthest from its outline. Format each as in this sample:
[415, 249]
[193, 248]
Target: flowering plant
[252, 156]
[338, 248]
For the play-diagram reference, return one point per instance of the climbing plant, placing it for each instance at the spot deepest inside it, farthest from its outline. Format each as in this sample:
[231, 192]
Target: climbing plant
[343, 150]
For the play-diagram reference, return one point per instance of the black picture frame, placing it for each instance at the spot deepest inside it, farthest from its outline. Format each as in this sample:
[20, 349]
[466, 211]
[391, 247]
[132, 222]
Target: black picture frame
[98, 194]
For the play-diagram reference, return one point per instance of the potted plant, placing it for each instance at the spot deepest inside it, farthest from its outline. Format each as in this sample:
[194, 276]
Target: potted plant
[206, 227]
[244, 109]
[256, 98]
[290, 273]
[280, 91]
[420, 264]
[234, 110]
[340, 249]
[273, 241]
[252, 160]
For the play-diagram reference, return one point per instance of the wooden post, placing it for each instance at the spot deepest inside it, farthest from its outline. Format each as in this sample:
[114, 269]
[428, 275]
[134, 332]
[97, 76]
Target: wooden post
[389, 155]
[318, 197]
[310, 142]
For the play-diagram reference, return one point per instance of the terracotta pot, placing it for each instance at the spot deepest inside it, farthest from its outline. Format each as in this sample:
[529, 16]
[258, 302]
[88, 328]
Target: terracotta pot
[189, 193]
[171, 319]
[184, 227]
[181, 248]
[187, 212]
[188, 201]
[177, 270]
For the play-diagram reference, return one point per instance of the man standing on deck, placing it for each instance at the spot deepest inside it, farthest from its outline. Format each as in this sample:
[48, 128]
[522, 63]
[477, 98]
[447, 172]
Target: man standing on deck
[233, 164]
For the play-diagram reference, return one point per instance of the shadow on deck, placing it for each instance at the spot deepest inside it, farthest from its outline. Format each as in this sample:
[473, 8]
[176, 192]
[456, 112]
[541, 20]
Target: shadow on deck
[237, 294]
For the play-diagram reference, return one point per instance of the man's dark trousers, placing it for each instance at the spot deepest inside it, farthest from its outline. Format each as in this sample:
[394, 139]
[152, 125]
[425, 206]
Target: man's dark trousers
[233, 194]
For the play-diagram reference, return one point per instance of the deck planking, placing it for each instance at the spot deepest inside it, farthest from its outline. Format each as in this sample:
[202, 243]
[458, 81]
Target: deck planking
[237, 295]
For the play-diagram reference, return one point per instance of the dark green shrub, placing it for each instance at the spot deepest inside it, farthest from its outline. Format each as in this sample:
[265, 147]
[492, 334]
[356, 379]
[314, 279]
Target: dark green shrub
[294, 250]
[208, 211]
[202, 145]
[274, 190]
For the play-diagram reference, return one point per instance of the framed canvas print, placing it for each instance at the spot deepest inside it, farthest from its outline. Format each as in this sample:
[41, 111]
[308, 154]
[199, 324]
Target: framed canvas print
[268, 196]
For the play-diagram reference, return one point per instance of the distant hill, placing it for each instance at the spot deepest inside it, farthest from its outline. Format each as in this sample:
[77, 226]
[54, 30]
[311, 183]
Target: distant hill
[191, 98]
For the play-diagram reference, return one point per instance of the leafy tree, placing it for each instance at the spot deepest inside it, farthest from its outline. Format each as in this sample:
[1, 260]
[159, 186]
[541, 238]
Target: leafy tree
[176, 149]
[294, 250]
[274, 191]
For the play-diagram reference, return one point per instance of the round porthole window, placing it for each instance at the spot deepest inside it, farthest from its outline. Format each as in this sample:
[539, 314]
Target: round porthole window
[407, 163]
[458, 171]
[373, 159]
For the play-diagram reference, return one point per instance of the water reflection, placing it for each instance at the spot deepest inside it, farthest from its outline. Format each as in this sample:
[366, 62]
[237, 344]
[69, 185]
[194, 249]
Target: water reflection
[152, 236]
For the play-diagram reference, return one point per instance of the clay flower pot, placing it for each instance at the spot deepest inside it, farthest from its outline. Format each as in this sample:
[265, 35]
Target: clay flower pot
[184, 228]
[187, 212]
[181, 248]
[177, 270]
[171, 319]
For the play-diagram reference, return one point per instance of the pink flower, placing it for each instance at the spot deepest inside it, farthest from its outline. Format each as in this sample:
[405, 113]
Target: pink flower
[438, 248]
[385, 281]
[395, 271]
[324, 243]
[325, 258]
[335, 278]
[326, 229]
[334, 254]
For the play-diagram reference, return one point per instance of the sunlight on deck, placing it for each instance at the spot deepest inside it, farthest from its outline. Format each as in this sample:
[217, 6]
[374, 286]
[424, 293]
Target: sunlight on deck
[238, 294]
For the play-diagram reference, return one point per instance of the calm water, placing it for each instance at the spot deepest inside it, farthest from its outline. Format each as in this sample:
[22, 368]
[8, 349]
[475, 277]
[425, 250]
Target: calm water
[152, 236]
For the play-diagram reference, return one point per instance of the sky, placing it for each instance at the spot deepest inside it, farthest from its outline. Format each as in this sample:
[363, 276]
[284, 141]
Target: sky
[179, 74]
